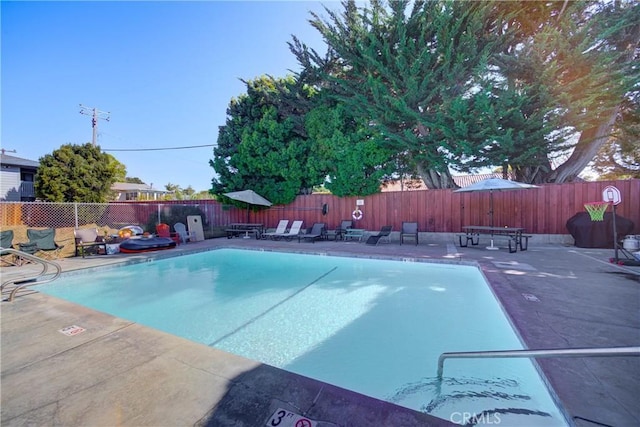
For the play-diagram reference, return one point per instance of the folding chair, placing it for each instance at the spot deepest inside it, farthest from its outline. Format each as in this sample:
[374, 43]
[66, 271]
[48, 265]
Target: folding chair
[41, 242]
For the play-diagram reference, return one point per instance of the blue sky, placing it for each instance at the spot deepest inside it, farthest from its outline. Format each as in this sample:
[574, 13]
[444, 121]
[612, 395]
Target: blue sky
[165, 72]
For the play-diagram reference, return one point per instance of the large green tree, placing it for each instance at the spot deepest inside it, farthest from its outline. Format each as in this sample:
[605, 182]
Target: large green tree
[75, 173]
[534, 87]
[262, 146]
[567, 70]
[619, 158]
[411, 69]
[355, 162]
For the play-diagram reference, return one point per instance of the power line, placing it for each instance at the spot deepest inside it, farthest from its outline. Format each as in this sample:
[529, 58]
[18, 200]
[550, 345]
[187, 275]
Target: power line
[157, 149]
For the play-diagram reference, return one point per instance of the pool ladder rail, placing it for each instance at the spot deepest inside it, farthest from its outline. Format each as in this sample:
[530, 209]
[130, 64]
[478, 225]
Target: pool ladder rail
[14, 285]
[558, 352]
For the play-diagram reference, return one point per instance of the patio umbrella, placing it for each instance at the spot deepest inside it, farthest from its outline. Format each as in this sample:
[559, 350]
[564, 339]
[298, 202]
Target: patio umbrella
[250, 197]
[495, 184]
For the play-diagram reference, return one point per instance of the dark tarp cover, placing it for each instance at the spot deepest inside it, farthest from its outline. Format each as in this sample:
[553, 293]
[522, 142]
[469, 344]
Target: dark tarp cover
[597, 234]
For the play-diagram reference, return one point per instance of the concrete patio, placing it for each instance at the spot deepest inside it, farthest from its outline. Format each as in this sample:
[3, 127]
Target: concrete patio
[120, 373]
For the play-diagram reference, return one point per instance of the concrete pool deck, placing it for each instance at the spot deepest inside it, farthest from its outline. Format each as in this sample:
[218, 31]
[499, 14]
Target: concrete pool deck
[117, 372]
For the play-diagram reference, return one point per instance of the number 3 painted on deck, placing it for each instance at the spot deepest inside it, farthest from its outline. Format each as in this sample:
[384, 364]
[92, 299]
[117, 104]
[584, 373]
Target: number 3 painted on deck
[277, 421]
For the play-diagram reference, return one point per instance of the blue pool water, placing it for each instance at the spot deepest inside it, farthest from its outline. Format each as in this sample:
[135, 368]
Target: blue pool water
[373, 326]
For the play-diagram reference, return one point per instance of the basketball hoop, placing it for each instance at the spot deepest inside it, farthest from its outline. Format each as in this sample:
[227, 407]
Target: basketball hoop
[596, 210]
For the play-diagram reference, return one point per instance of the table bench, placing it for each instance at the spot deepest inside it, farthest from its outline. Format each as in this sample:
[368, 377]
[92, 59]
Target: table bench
[354, 233]
[238, 229]
[513, 235]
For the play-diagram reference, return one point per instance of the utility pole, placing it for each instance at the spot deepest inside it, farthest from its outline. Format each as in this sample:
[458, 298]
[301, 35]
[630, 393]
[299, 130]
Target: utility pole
[95, 115]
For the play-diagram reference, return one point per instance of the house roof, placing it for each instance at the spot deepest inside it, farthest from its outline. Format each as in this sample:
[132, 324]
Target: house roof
[417, 184]
[142, 188]
[8, 160]
[465, 180]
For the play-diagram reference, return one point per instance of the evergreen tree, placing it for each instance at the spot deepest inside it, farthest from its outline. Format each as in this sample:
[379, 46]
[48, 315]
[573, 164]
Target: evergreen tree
[355, 163]
[262, 145]
[134, 180]
[569, 69]
[75, 173]
[412, 72]
[619, 158]
[459, 85]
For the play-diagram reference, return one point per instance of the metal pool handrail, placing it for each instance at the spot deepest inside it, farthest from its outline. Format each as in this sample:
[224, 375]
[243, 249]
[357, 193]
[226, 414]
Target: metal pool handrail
[30, 280]
[559, 352]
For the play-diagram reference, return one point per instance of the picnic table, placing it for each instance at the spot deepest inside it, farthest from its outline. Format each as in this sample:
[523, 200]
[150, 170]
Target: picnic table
[354, 233]
[243, 229]
[514, 235]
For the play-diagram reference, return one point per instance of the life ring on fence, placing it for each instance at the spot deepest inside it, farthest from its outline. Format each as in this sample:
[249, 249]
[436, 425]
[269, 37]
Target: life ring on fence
[357, 214]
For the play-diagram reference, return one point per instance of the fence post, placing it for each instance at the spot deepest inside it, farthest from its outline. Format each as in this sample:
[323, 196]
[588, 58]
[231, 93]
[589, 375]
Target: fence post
[159, 213]
[75, 211]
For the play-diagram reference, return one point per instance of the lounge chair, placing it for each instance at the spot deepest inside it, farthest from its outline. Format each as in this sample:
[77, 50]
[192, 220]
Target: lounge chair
[293, 231]
[6, 242]
[163, 230]
[280, 229]
[89, 240]
[384, 234]
[184, 235]
[410, 230]
[317, 232]
[41, 242]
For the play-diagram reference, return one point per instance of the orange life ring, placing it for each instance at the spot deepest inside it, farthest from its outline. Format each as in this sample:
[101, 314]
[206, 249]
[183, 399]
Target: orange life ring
[357, 214]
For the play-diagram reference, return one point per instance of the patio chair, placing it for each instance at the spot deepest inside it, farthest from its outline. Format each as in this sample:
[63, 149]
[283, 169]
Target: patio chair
[41, 243]
[384, 234]
[280, 229]
[293, 231]
[183, 233]
[163, 230]
[317, 232]
[6, 242]
[410, 230]
[338, 233]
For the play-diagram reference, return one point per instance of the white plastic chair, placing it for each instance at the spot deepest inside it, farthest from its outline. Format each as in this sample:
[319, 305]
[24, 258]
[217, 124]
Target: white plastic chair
[293, 231]
[181, 229]
[280, 229]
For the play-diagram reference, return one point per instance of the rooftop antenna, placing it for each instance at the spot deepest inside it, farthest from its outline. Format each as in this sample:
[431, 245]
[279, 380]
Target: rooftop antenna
[7, 151]
[96, 114]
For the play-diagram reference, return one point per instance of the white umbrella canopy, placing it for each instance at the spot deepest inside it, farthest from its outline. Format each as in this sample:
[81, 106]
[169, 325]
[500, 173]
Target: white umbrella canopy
[495, 184]
[250, 197]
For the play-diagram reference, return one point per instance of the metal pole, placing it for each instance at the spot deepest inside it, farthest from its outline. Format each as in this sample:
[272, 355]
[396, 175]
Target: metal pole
[491, 209]
[94, 122]
[615, 235]
[95, 116]
[559, 352]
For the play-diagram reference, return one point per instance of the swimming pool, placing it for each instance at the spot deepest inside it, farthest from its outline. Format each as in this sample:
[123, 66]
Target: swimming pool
[373, 326]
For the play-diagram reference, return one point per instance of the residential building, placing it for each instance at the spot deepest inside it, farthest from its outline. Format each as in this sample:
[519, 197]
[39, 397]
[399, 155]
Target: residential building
[417, 184]
[125, 191]
[17, 177]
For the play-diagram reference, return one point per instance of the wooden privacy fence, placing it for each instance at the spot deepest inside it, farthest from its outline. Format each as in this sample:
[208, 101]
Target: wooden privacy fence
[544, 210]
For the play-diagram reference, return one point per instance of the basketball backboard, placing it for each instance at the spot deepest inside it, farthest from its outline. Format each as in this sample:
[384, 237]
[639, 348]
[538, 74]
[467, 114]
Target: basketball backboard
[611, 194]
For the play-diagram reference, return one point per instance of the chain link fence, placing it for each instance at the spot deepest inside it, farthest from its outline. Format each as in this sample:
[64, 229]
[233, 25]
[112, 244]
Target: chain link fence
[107, 217]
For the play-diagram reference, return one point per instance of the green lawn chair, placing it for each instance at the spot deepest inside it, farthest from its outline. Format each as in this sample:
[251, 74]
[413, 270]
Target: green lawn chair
[41, 243]
[6, 242]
